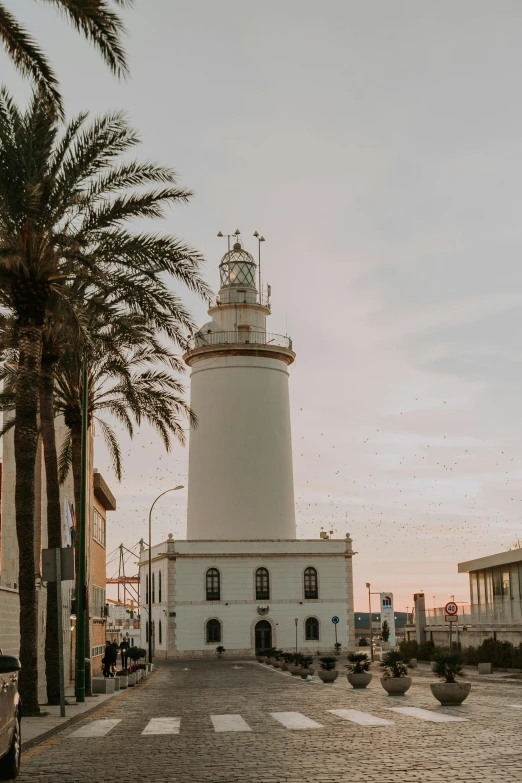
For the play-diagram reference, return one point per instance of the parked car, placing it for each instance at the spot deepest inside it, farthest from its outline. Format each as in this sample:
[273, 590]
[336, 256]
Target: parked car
[10, 718]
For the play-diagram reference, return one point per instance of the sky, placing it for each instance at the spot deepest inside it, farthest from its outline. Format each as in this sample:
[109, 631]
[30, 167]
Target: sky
[378, 148]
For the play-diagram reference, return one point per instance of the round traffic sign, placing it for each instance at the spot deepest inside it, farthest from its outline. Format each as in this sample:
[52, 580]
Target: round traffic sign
[335, 619]
[451, 608]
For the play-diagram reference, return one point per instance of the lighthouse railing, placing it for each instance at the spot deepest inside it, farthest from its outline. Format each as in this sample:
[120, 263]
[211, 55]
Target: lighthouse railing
[242, 337]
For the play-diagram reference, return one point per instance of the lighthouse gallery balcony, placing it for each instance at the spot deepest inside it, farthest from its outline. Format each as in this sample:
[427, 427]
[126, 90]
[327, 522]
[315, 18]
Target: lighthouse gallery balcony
[240, 337]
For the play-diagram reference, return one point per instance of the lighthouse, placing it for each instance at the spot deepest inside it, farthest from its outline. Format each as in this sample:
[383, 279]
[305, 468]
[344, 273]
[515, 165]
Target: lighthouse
[241, 579]
[240, 454]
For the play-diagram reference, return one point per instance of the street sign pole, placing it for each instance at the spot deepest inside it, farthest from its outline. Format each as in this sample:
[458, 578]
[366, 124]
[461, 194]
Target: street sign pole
[451, 633]
[58, 554]
[296, 621]
[335, 626]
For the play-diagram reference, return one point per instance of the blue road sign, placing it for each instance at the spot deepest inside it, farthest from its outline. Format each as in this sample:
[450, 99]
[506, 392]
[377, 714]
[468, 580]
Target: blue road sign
[335, 620]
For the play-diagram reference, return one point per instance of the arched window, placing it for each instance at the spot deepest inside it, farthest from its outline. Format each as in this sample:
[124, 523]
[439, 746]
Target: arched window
[310, 583]
[262, 585]
[213, 631]
[312, 629]
[153, 589]
[159, 586]
[213, 585]
[160, 634]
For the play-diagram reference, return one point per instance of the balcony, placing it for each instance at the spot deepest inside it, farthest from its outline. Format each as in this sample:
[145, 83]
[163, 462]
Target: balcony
[240, 337]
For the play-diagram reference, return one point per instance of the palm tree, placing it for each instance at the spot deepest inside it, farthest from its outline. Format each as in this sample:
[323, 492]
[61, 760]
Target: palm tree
[64, 202]
[94, 18]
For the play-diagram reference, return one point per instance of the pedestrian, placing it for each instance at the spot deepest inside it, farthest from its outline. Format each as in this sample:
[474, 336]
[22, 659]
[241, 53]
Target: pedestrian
[115, 648]
[124, 647]
[108, 659]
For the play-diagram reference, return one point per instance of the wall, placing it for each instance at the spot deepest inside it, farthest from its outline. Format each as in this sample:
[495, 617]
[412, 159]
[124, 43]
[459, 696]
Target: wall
[240, 454]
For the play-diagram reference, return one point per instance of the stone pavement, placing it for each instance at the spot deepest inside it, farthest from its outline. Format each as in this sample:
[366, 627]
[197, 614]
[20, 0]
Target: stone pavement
[227, 721]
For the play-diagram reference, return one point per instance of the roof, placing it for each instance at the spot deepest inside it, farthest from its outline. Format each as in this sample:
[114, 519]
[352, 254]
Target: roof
[103, 493]
[503, 558]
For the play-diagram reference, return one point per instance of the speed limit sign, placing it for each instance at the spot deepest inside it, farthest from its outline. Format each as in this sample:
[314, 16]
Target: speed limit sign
[451, 608]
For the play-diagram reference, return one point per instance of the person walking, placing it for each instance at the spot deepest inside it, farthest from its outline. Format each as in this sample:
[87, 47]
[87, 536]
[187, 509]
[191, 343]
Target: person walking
[124, 648]
[108, 660]
[115, 647]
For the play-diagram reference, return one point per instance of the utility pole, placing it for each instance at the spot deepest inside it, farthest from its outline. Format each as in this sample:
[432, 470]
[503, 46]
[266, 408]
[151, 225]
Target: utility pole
[370, 618]
[82, 536]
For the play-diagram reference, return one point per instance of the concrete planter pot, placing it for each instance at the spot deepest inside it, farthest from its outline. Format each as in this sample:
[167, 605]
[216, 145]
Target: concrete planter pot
[396, 686]
[132, 679]
[277, 664]
[260, 659]
[330, 676]
[150, 667]
[412, 663]
[485, 668]
[294, 670]
[139, 675]
[450, 693]
[433, 666]
[144, 673]
[304, 673]
[359, 680]
[124, 681]
[284, 666]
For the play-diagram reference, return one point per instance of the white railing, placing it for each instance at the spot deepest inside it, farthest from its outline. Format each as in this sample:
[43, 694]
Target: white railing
[241, 337]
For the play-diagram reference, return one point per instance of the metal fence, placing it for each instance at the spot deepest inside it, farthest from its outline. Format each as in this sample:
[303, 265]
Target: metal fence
[242, 337]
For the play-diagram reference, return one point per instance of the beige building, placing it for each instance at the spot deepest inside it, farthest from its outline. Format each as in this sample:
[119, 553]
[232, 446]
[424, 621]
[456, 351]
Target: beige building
[100, 501]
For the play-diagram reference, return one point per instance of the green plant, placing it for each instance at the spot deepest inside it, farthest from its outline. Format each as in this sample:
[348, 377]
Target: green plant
[337, 647]
[288, 657]
[298, 659]
[328, 663]
[306, 661]
[385, 631]
[363, 642]
[270, 652]
[447, 666]
[142, 666]
[134, 653]
[393, 664]
[278, 654]
[122, 673]
[358, 663]
[220, 650]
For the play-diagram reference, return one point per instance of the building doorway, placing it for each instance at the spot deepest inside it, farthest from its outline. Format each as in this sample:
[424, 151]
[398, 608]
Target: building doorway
[263, 635]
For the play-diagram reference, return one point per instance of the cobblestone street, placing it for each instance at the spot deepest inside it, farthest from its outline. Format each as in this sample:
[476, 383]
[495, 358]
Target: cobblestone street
[283, 730]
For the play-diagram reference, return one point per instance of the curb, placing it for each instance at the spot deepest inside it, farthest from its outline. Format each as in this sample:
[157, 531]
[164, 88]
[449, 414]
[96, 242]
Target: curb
[118, 696]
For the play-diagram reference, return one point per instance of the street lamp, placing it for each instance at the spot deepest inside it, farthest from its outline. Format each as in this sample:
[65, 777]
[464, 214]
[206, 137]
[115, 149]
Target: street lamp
[368, 585]
[149, 635]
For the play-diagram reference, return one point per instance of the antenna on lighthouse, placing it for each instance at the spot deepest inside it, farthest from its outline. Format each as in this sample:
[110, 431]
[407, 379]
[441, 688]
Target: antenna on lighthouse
[259, 240]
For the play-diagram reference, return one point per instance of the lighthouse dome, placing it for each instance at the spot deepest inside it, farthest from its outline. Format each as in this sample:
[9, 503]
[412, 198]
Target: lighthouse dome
[237, 269]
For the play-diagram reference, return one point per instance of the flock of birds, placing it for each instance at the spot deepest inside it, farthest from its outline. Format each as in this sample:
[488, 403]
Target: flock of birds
[441, 497]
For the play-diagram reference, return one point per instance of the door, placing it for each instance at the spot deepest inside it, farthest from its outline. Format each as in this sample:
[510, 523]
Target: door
[263, 635]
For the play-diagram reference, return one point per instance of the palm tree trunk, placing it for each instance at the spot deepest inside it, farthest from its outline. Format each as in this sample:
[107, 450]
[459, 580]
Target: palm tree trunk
[76, 464]
[25, 446]
[54, 523]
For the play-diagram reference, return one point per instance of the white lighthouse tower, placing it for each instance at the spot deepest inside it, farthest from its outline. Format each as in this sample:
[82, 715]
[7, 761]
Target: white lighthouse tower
[241, 579]
[240, 458]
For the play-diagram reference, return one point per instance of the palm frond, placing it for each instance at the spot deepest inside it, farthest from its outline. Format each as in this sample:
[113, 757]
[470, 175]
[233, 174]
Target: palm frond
[113, 446]
[65, 458]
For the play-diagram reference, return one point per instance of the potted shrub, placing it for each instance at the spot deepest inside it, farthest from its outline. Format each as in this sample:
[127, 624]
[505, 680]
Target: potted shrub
[278, 659]
[123, 675]
[359, 675]
[337, 648]
[260, 656]
[133, 677]
[220, 650]
[305, 666]
[395, 680]
[269, 656]
[295, 667]
[448, 666]
[288, 658]
[328, 672]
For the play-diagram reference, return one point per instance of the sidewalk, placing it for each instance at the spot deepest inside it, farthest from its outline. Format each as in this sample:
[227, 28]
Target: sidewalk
[34, 727]
[471, 673]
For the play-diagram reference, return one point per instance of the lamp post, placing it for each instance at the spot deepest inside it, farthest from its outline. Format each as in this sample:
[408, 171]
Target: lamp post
[81, 543]
[149, 635]
[370, 618]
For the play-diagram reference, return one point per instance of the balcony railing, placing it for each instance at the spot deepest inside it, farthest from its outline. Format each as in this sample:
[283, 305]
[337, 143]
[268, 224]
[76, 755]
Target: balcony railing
[242, 337]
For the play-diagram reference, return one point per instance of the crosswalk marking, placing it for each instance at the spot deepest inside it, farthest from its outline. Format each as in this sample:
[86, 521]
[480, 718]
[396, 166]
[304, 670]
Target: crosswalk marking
[433, 717]
[229, 723]
[515, 706]
[162, 726]
[362, 718]
[295, 720]
[97, 728]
